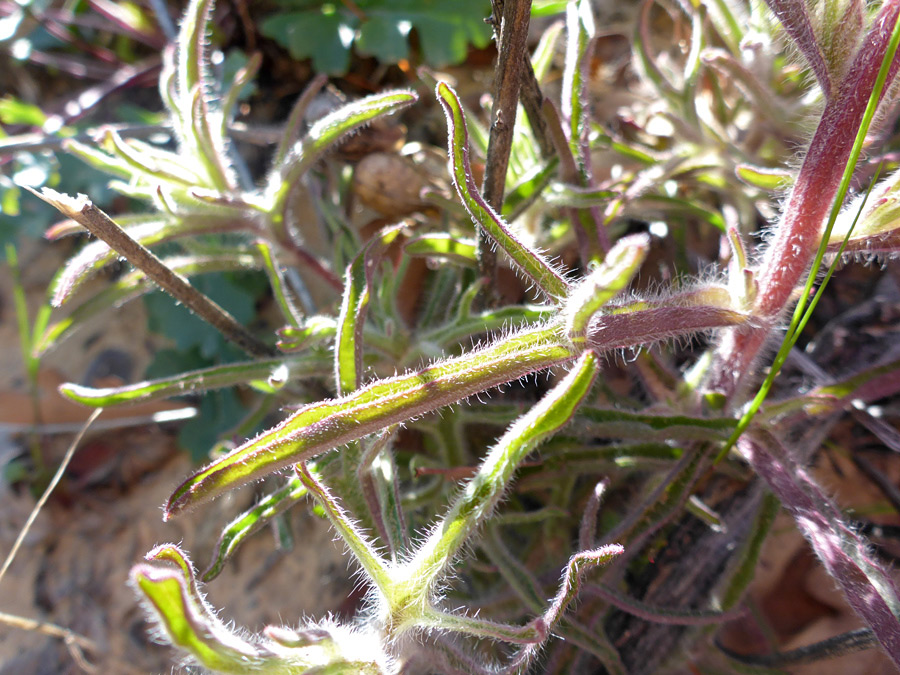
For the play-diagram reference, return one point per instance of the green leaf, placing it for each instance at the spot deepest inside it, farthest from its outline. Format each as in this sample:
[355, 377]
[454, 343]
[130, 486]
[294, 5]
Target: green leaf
[443, 246]
[319, 427]
[130, 286]
[533, 264]
[147, 230]
[764, 178]
[384, 37]
[324, 35]
[14, 111]
[354, 305]
[214, 377]
[171, 594]
[252, 521]
[325, 133]
[481, 494]
[327, 33]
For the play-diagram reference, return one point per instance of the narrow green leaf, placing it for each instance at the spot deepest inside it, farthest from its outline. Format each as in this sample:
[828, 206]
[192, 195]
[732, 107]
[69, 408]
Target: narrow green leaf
[312, 331]
[132, 285]
[444, 246]
[579, 33]
[602, 423]
[252, 521]
[241, 79]
[151, 167]
[362, 549]
[560, 194]
[529, 189]
[325, 133]
[482, 493]
[764, 178]
[276, 280]
[215, 377]
[354, 305]
[146, 231]
[322, 426]
[171, 594]
[210, 147]
[534, 265]
[191, 59]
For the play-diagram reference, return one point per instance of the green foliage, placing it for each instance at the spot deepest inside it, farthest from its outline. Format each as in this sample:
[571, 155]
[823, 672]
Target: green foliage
[327, 31]
[350, 376]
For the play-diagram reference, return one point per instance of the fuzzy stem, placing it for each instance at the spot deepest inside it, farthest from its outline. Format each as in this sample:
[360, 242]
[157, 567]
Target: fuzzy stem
[798, 236]
[481, 495]
[85, 213]
[511, 46]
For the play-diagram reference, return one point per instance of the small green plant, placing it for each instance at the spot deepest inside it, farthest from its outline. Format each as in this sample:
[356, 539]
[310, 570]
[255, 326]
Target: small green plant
[327, 31]
[404, 521]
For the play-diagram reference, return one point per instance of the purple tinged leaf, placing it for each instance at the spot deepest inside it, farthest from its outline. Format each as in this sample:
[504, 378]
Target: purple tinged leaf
[670, 617]
[797, 23]
[797, 236]
[609, 279]
[799, 233]
[847, 557]
[319, 427]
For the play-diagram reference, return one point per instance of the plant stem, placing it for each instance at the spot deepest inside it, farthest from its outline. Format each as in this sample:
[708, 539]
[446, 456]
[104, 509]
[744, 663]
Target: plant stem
[85, 213]
[511, 44]
[532, 99]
